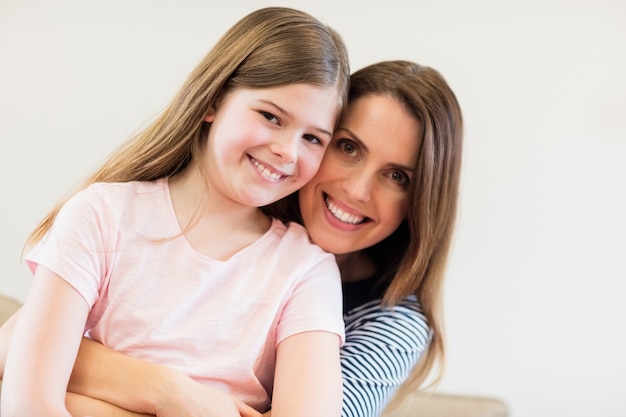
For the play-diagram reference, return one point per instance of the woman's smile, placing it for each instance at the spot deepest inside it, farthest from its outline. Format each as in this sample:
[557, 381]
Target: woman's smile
[359, 196]
[343, 214]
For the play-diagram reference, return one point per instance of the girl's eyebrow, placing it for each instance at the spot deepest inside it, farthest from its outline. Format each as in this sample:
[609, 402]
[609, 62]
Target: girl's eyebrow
[286, 113]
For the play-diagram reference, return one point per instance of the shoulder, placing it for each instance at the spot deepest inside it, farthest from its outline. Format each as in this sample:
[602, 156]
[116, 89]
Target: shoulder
[401, 326]
[113, 194]
[294, 238]
[306, 263]
[290, 230]
[130, 188]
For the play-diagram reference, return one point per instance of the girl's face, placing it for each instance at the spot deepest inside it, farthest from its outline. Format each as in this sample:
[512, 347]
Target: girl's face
[361, 191]
[264, 144]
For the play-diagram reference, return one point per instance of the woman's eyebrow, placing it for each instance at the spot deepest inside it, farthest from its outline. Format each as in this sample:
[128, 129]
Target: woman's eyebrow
[403, 167]
[364, 147]
[354, 137]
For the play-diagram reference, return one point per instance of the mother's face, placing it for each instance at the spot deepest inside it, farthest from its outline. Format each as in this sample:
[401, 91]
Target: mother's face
[360, 194]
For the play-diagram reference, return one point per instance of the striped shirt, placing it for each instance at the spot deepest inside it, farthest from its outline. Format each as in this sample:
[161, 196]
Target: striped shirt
[382, 346]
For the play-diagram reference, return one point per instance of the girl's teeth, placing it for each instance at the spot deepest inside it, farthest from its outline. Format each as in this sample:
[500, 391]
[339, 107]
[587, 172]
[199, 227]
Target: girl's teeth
[342, 215]
[269, 174]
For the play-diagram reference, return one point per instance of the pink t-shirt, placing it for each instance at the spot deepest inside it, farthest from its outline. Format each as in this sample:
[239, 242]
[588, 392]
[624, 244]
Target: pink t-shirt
[154, 297]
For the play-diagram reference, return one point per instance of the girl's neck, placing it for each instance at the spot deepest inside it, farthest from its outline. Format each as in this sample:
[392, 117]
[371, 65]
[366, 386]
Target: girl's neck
[192, 196]
[212, 224]
[355, 266]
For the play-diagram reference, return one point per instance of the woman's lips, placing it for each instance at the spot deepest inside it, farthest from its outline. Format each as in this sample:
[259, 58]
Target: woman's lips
[342, 214]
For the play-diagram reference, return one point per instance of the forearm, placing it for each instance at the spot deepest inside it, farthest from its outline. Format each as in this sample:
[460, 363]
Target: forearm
[81, 406]
[142, 387]
[130, 383]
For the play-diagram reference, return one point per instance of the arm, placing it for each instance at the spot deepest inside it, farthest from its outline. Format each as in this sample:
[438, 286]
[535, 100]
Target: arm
[80, 406]
[155, 389]
[6, 332]
[43, 348]
[145, 387]
[307, 381]
[134, 385]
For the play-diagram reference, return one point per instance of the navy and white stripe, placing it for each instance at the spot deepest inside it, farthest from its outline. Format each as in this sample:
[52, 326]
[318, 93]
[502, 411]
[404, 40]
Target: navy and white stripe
[382, 346]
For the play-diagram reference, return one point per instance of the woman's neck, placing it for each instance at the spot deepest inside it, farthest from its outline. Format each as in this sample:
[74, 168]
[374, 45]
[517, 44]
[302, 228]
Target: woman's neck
[355, 266]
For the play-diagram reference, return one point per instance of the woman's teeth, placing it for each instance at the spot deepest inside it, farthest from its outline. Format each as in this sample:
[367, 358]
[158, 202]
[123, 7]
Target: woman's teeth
[342, 215]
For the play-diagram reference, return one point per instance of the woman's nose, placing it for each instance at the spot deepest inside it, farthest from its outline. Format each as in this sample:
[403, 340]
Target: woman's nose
[358, 186]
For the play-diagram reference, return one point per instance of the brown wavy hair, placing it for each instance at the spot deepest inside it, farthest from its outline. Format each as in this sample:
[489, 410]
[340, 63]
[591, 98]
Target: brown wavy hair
[413, 258]
[415, 255]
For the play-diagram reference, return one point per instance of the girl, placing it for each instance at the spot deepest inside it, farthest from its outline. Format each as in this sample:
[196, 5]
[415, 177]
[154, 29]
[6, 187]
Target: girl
[164, 255]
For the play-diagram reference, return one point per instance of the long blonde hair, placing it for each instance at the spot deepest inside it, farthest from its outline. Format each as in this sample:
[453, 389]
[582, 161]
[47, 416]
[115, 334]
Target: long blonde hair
[270, 47]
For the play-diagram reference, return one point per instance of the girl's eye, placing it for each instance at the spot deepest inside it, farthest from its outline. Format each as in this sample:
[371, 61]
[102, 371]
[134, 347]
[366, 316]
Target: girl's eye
[313, 139]
[400, 178]
[269, 116]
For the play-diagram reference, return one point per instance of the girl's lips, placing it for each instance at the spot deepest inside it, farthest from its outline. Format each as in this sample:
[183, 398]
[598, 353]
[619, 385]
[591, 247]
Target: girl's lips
[266, 171]
[342, 213]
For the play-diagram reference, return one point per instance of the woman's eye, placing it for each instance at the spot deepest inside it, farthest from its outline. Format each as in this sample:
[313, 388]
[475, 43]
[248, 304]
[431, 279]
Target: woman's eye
[399, 178]
[348, 147]
[313, 139]
[269, 116]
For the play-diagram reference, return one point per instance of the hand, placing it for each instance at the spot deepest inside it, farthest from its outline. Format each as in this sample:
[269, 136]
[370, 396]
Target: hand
[188, 398]
[245, 410]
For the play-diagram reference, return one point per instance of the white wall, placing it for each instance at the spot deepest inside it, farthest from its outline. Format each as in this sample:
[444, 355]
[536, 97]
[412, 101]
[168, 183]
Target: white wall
[534, 296]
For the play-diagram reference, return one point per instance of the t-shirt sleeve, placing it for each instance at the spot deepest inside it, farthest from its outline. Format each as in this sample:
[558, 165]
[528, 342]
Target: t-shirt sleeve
[74, 246]
[382, 347]
[315, 303]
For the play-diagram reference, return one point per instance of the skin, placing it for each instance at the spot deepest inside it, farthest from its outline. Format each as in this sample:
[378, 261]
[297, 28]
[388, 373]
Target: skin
[280, 124]
[265, 144]
[365, 173]
[285, 129]
[359, 195]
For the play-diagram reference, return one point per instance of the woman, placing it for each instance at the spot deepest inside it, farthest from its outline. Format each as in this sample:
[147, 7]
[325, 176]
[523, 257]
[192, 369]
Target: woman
[384, 201]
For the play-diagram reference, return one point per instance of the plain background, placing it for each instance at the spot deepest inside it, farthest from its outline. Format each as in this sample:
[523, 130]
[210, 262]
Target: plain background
[534, 300]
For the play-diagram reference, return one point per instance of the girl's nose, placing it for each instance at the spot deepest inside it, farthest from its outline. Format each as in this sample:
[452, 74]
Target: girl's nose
[286, 147]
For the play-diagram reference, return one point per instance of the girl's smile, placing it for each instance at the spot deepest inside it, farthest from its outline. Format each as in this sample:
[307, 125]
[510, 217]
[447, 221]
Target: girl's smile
[264, 144]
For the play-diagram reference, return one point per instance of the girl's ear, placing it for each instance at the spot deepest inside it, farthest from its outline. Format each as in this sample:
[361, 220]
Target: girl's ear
[210, 115]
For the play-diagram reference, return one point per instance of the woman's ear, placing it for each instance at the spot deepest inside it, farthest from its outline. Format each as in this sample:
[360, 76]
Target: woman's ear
[210, 115]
